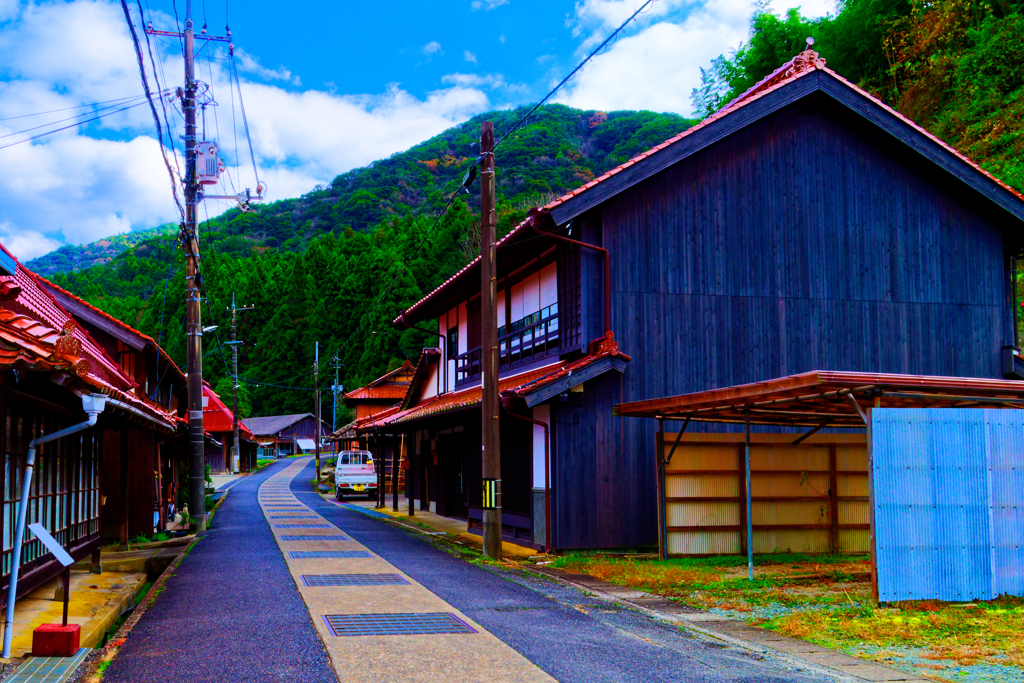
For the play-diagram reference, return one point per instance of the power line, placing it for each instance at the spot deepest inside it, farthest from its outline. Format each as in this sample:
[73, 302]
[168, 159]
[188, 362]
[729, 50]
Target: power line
[70, 118]
[469, 173]
[149, 98]
[73, 125]
[80, 106]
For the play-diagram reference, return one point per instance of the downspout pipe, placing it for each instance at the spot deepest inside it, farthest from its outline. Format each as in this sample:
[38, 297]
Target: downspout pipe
[607, 277]
[444, 346]
[93, 405]
[507, 404]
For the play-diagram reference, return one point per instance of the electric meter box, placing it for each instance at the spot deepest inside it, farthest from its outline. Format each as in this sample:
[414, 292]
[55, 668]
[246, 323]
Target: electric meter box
[207, 163]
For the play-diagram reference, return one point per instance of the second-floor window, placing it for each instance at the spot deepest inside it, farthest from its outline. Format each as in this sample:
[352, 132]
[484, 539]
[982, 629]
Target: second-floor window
[452, 343]
[126, 358]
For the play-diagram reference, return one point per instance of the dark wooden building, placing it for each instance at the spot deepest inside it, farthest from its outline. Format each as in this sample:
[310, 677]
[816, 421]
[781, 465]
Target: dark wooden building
[285, 435]
[218, 422]
[47, 364]
[143, 471]
[805, 226]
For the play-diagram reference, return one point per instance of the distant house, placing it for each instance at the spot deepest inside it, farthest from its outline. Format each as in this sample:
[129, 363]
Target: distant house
[805, 226]
[376, 397]
[284, 435]
[218, 422]
[97, 482]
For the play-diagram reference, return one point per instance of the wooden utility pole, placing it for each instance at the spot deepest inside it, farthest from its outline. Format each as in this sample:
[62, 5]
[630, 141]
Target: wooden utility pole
[234, 363]
[316, 408]
[489, 337]
[194, 327]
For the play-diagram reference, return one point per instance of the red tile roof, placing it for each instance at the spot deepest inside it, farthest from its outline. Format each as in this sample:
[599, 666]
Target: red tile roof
[520, 384]
[395, 392]
[119, 323]
[37, 334]
[805, 63]
[217, 417]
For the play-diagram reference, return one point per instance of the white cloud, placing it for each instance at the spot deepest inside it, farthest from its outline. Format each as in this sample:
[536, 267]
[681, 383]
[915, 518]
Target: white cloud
[432, 47]
[26, 245]
[487, 4]
[470, 57]
[249, 64]
[658, 64]
[501, 38]
[77, 188]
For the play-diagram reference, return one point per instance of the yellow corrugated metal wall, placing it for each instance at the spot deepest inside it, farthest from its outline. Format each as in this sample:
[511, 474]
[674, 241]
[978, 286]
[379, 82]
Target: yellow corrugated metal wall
[794, 507]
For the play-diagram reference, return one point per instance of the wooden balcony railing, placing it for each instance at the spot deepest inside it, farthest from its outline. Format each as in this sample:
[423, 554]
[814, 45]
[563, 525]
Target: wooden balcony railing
[525, 341]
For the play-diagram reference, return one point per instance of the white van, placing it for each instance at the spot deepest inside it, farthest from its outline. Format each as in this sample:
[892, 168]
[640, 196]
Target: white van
[355, 474]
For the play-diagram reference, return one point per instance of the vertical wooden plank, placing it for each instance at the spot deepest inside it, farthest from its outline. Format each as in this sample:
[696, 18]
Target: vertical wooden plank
[833, 499]
[871, 510]
[659, 467]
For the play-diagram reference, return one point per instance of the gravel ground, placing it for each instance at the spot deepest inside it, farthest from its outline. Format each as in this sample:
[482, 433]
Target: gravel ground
[568, 634]
[231, 613]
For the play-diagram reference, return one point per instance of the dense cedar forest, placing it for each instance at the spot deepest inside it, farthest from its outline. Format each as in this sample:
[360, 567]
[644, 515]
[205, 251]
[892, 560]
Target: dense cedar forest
[338, 263]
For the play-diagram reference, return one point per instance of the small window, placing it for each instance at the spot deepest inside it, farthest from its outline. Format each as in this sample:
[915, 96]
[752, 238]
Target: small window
[453, 343]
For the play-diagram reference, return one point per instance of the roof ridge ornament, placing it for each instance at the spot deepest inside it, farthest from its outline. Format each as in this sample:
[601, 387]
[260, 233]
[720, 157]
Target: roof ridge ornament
[806, 60]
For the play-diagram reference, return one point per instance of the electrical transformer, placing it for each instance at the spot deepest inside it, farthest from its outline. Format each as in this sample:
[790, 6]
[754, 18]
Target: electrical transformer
[208, 166]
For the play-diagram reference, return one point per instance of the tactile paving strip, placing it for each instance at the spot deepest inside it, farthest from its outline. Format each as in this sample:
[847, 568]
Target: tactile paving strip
[302, 526]
[319, 580]
[428, 623]
[328, 554]
[319, 537]
[293, 517]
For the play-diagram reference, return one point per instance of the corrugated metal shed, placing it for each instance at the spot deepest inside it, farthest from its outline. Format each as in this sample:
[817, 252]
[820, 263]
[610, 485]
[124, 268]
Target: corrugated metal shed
[948, 502]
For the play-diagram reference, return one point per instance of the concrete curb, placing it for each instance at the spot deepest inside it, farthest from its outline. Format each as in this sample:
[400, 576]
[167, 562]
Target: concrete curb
[823, 661]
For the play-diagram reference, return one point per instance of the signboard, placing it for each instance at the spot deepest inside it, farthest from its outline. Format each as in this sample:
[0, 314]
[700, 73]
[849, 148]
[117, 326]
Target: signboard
[51, 543]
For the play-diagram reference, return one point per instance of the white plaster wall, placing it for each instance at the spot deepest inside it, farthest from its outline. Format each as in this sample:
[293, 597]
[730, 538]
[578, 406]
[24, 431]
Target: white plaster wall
[542, 413]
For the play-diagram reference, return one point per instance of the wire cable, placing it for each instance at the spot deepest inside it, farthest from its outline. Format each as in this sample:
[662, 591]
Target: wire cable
[73, 125]
[245, 121]
[120, 100]
[70, 118]
[149, 98]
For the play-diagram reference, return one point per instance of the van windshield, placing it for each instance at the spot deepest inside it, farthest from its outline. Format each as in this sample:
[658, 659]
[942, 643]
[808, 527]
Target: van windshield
[354, 458]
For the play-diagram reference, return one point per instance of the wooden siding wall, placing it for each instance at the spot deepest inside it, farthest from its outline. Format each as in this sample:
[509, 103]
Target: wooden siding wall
[127, 482]
[806, 498]
[806, 241]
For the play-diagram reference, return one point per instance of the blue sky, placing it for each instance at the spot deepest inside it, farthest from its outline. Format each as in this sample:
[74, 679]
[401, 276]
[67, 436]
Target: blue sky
[328, 86]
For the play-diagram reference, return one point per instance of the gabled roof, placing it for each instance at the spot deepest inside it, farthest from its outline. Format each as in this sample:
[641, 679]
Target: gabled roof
[272, 424]
[388, 387]
[217, 417]
[804, 74]
[79, 306]
[36, 334]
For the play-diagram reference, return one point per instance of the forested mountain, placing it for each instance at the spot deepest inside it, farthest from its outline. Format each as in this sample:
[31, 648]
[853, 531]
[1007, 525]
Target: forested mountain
[76, 257]
[336, 264]
[317, 266]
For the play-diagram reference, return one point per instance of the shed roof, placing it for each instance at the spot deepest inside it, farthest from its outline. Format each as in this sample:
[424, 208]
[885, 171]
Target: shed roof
[821, 396]
[804, 74]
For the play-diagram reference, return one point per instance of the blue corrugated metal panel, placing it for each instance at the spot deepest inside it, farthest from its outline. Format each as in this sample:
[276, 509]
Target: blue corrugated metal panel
[949, 503]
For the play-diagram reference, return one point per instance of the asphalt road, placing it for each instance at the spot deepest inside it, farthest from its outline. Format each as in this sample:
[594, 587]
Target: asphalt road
[230, 613]
[569, 635]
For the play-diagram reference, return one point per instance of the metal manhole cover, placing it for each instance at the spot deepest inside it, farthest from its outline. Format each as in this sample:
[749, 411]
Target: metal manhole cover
[320, 580]
[302, 526]
[431, 623]
[328, 554]
[320, 537]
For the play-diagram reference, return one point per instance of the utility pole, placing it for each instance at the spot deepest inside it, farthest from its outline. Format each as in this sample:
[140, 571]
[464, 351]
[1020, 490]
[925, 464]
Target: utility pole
[190, 239]
[234, 375]
[489, 337]
[316, 408]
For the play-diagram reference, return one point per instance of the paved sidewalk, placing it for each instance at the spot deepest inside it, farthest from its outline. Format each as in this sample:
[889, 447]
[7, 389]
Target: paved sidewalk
[472, 655]
[230, 613]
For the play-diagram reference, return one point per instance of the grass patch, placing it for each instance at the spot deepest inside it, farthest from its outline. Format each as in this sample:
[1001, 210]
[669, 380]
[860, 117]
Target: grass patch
[827, 600]
[103, 666]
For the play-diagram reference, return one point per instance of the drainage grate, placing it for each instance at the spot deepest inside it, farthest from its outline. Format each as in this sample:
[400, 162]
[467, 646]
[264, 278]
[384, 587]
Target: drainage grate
[320, 580]
[328, 554]
[302, 526]
[437, 623]
[293, 517]
[314, 537]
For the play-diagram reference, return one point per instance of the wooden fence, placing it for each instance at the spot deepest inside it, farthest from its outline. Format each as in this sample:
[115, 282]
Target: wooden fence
[810, 497]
